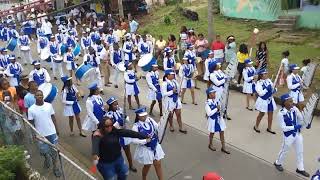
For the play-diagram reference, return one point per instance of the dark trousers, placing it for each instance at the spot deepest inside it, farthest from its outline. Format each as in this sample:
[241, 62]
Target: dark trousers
[240, 68]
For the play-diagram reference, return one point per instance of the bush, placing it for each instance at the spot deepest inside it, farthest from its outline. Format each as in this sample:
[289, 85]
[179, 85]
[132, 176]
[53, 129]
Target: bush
[12, 163]
[167, 20]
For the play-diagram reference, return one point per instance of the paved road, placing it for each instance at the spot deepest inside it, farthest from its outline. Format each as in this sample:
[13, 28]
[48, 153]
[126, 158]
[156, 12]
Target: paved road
[187, 156]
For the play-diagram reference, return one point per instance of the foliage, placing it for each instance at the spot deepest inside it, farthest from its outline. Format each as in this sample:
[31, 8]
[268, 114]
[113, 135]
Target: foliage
[11, 161]
[315, 2]
[167, 20]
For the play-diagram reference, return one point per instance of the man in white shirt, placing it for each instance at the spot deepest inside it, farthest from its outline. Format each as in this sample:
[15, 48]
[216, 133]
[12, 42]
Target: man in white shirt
[47, 28]
[41, 115]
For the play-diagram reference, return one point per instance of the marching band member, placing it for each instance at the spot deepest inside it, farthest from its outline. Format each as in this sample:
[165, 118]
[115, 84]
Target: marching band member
[71, 39]
[128, 49]
[115, 59]
[291, 121]
[95, 109]
[295, 84]
[119, 121]
[132, 88]
[144, 47]
[148, 153]
[42, 44]
[70, 96]
[39, 75]
[70, 61]
[265, 102]
[4, 33]
[191, 55]
[248, 86]
[170, 91]
[13, 71]
[13, 33]
[54, 52]
[94, 35]
[216, 122]
[47, 28]
[4, 58]
[94, 61]
[24, 42]
[168, 61]
[154, 95]
[85, 42]
[208, 61]
[39, 31]
[60, 37]
[111, 38]
[186, 72]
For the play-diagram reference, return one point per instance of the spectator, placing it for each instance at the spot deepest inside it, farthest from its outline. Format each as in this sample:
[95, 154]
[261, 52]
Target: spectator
[101, 23]
[123, 24]
[41, 115]
[160, 45]
[5, 87]
[230, 50]
[242, 55]
[262, 56]
[22, 90]
[284, 68]
[134, 25]
[183, 38]
[201, 46]
[110, 22]
[305, 63]
[217, 47]
[191, 37]
[29, 98]
[47, 28]
[106, 149]
[172, 42]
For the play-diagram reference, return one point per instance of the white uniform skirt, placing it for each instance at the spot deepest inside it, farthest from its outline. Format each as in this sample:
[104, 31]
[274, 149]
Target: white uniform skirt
[247, 88]
[297, 96]
[126, 57]
[68, 110]
[69, 66]
[130, 90]
[152, 95]
[185, 84]
[268, 105]
[216, 125]
[144, 155]
[170, 105]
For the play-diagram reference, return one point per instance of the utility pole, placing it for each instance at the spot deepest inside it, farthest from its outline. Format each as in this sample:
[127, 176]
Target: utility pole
[120, 6]
[210, 20]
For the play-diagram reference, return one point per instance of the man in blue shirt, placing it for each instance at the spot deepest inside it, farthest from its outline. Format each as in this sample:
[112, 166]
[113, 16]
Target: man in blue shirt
[133, 25]
[29, 98]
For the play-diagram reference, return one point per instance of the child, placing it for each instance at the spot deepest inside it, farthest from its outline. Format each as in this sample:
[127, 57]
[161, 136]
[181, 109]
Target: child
[248, 85]
[305, 63]
[284, 68]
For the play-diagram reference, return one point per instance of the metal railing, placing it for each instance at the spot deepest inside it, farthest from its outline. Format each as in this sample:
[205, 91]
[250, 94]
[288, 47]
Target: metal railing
[50, 162]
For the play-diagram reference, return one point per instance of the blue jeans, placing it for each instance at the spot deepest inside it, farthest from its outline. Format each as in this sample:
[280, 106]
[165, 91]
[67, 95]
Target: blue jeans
[117, 168]
[45, 148]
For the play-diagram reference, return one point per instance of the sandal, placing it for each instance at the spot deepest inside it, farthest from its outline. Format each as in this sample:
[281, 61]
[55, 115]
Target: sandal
[225, 151]
[171, 129]
[195, 104]
[250, 109]
[82, 135]
[183, 131]
[269, 131]
[255, 129]
[133, 169]
[183, 102]
[211, 148]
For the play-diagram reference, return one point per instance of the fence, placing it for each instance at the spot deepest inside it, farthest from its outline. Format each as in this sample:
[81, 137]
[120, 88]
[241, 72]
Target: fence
[49, 161]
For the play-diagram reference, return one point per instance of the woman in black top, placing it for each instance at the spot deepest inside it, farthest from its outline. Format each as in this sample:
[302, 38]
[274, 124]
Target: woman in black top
[262, 58]
[106, 149]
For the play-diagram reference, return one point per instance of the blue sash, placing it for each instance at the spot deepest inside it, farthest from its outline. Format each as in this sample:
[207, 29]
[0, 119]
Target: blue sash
[43, 42]
[219, 79]
[54, 48]
[269, 93]
[170, 63]
[39, 79]
[117, 57]
[187, 73]
[135, 86]
[174, 96]
[72, 96]
[155, 82]
[296, 80]
[98, 110]
[149, 130]
[128, 47]
[215, 117]
[290, 121]
[15, 71]
[24, 41]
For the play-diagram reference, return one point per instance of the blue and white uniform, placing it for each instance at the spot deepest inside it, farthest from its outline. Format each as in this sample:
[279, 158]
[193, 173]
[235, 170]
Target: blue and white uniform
[69, 60]
[132, 87]
[25, 53]
[86, 42]
[186, 72]
[128, 51]
[115, 59]
[39, 76]
[146, 153]
[94, 36]
[265, 101]
[171, 100]
[4, 61]
[293, 82]
[144, 48]
[4, 34]
[95, 112]
[248, 76]
[12, 33]
[119, 121]
[206, 75]
[288, 120]
[169, 63]
[191, 55]
[216, 122]
[56, 64]
[43, 45]
[14, 71]
[71, 41]
[94, 61]
[70, 101]
[218, 79]
[152, 78]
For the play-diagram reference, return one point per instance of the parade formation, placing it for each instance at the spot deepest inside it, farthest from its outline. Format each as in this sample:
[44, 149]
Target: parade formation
[87, 55]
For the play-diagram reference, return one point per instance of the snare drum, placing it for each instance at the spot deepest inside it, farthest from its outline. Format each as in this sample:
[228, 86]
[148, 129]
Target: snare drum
[84, 71]
[146, 62]
[57, 59]
[44, 54]
[12, 44]
[76, 50]
[49, 91]
[24, 48]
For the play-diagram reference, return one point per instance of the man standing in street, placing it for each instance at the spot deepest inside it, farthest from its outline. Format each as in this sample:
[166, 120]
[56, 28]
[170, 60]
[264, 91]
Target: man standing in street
[41, 115]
